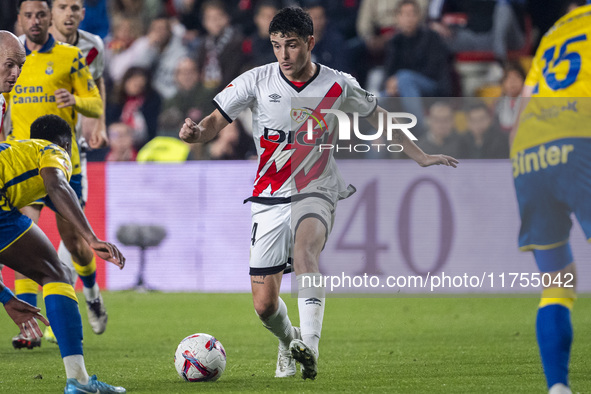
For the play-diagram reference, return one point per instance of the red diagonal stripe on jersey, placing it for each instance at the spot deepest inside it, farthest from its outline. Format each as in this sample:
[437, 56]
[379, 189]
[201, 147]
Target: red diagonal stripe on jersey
[92, 54]
[276, 178]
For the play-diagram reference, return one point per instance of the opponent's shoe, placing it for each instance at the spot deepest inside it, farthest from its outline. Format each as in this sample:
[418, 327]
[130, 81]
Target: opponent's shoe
[286, 365]
[49, 335]
[559, 388]
[20, 342]
[306, 356]
[97, 315]
[94, 386]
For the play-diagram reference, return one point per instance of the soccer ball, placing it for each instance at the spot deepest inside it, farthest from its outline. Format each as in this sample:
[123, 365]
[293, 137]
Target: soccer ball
[200, 358]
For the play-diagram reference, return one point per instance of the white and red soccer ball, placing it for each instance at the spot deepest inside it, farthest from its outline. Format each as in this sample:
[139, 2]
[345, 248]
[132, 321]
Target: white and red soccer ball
[200, 358]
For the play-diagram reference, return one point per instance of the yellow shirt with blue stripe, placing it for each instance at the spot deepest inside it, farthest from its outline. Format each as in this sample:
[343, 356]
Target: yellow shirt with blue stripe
[20, 166]
[55, 66]
[560, 76]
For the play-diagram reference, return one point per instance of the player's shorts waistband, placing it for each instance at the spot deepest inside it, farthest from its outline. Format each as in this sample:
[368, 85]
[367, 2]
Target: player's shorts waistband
[287, 200]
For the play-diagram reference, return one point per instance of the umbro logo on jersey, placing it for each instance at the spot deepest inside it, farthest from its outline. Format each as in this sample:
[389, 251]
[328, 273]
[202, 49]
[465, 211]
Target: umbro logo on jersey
[274, 98]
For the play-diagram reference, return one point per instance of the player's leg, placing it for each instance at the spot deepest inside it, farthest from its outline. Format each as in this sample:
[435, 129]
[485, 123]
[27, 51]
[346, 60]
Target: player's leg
[270, 241]
[310, 238]
[553, 324]
[33, 255]
[83, 259]
[26, 289]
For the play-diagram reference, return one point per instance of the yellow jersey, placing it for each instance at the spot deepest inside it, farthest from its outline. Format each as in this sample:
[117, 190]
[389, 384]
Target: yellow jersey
[20, 166]
[560, 76]
[56, 65]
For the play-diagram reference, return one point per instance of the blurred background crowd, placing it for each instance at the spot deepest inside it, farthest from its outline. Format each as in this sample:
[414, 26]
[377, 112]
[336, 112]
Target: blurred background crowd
[165, 60]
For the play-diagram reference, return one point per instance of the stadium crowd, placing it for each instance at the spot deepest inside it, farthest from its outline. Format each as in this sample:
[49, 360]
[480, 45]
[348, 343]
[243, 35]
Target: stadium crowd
[165, 60]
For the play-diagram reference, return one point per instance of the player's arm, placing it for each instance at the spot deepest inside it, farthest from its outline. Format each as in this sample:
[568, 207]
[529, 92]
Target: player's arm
[206, 130]
[409, 147]
[86, 98]
[98, 138]
[22, 313]
[65, 200]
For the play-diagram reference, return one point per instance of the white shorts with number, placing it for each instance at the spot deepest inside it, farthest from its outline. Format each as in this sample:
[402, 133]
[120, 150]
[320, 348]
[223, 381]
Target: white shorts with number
[274, 228]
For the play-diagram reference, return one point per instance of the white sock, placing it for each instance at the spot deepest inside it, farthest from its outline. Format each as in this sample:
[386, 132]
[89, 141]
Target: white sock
[311, 297]
[75, 368]
[91, 293]
[66, 257]
[280, 325]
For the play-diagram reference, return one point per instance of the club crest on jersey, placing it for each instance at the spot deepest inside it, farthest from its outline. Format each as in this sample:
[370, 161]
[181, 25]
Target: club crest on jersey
[299, 115]
[49, 69]
[274, 98]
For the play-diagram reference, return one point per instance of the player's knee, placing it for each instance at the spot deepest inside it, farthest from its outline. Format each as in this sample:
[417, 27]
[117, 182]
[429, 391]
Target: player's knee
[265, 308]
[56, 271]
[78, 248]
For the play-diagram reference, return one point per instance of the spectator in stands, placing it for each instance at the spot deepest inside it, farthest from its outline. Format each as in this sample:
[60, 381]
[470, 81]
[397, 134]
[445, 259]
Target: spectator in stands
[147, 10]
[232, 143]
[126, 29]
[257, 47]
[192, 99]
[492, 25]
[220, 53]
[330, 48]
[121, 143]
[160, 50]
[507, 107]
[137, 105]
[343, 15]
[417, 62]
[483, 140]
[441, 135]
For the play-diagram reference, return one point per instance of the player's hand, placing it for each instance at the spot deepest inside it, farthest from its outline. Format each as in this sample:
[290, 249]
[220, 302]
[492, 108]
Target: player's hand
[439, 159]
[98, 138]
[64, 98]
[190, 131]
[24, 315]
[109, 252]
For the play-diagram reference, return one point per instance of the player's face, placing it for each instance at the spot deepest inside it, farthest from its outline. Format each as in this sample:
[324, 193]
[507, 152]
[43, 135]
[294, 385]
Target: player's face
[67, 15]
[35, 18]
[12, 58]
[292, 53]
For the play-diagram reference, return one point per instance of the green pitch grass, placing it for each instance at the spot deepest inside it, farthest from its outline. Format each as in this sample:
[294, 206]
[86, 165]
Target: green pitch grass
[413, 345]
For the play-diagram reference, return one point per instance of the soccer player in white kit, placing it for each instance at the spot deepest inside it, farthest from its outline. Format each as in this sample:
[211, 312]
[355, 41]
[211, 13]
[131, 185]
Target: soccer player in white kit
[297, 185]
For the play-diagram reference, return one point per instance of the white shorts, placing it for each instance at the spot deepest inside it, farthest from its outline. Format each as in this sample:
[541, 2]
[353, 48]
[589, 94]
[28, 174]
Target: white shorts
[274, 228]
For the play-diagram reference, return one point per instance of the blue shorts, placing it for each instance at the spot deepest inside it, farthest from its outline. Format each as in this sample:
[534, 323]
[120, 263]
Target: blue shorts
[552, 181]
[13, 225]
[76, 184]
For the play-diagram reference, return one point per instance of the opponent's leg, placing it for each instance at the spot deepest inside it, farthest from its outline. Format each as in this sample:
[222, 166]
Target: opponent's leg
[273, 313]
[553, 324]
[84, 262]
[34, 256]
[309, 241]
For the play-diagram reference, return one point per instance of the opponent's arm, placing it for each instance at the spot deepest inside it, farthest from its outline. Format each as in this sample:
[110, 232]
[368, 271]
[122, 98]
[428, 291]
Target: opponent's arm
[409, 147]
[66, 203]
[99, 138]
[22, 313]
[206, 130]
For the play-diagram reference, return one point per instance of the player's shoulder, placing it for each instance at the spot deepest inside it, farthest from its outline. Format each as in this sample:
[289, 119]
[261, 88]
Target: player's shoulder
[66, 50]
[262, 72]
[91, 39]
[335, 75]
[578, 18]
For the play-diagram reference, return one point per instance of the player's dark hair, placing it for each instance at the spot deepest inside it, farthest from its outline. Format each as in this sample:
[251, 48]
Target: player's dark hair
[292, 20]
[20, 2]
[51, 128]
